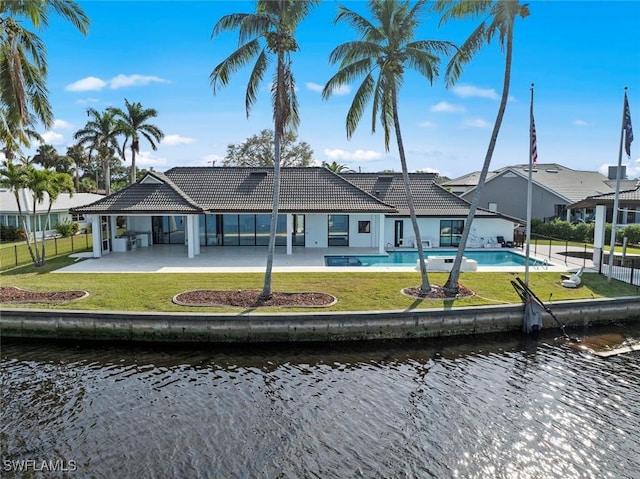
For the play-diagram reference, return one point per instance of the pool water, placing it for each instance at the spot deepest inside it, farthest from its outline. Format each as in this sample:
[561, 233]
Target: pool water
[410, 258]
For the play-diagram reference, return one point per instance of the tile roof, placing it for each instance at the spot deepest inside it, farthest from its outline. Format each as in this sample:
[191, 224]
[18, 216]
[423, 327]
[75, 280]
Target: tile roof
[571, 185]
[230, 189]
[429, 198]
[627, 198]
[311, 190]
[143, 198]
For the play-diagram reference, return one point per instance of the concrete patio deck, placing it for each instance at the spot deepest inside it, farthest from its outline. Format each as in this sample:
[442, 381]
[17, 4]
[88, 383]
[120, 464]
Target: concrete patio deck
[247, 259]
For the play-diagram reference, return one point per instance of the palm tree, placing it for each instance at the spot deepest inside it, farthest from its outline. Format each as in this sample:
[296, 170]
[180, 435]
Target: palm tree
[500, 17]
[133, 124]
[80, 160]
[267, 32]
[13, 137]
[57, 183]
[336, 167]
[23, 61]
[47, 156]
[100, 135]
[388, 46]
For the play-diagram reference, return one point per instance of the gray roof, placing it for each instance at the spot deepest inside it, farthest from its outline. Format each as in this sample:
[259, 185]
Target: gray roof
[230, 189]
[429, 198]
[571, 185]
[63, 203]
[627, 198]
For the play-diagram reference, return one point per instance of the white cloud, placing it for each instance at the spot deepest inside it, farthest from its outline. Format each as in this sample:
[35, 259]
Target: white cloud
[444, 107]
[212, 160]
[580, 123]
[86, 101]
[340, 90]
[427, 124]
[476, 123]
[123, 81]
[172, 140]
[147, 159]
[469, 91]
[87, 84]
[53, 138]
[119, 81]
[358, 155]
[61, 125]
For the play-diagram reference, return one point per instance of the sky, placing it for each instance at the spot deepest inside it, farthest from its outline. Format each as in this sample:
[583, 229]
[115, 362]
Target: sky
[579, 54]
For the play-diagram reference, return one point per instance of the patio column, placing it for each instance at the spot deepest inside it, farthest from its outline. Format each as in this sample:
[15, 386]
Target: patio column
[196, 233]
[96, 233]
[113, 225]
[381, 233]
[289, 233]
[191, 250]
[598, 234]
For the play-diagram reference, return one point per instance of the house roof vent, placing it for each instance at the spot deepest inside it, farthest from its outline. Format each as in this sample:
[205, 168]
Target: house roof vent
[258, 173]
[553, 170]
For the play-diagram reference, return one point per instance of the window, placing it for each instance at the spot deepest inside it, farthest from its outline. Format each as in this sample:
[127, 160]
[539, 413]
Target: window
[338, 230]
[451, 232]
[364, 226]
[77, 217]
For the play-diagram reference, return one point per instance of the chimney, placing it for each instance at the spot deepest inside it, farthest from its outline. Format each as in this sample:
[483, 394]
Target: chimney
[613, 170]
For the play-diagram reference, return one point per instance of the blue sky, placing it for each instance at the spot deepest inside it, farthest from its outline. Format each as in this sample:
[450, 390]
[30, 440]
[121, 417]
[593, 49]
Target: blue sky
[579, 54]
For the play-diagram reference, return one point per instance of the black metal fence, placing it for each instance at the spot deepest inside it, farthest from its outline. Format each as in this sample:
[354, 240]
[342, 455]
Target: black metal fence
[624, 268]
[17, 254]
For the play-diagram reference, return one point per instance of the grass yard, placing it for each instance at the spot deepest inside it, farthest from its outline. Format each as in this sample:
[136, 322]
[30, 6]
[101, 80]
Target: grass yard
[355, 291]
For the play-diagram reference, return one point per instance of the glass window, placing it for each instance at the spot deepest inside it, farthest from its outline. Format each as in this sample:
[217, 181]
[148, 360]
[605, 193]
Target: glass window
[338, 230]
[247, 227]
[263, 224]
[451, 232]
[230, 228]
[364, 226]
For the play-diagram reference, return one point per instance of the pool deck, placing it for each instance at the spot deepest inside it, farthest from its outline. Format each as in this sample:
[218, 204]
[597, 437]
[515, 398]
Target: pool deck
[247, 259]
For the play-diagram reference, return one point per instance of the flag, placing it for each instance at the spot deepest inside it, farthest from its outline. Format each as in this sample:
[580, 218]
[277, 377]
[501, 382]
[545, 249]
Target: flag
[534, 146]
[626, 126]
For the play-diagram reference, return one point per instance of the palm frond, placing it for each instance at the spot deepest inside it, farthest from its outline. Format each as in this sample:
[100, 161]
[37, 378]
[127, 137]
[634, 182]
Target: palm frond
[363, 26]
[465, 53]
[424, 62]
[257, 74]
[360, 100]
[346, 75]
[350, 52]
[221, 74]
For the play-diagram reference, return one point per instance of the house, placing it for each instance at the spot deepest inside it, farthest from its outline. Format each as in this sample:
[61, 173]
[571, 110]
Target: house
[59, 210]
[229, 206]
[554, 189]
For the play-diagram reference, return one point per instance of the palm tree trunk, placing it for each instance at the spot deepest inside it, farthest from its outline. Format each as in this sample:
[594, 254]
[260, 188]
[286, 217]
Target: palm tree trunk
[278, 130]
[106, 164]
[133, 166]
[425, 287]
[451, 287]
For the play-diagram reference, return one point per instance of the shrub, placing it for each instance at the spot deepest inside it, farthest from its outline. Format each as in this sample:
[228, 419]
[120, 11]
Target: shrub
[11, 233]
[67, 228]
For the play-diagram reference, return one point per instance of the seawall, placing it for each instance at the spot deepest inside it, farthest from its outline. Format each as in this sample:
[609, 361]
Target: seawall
[316, 326]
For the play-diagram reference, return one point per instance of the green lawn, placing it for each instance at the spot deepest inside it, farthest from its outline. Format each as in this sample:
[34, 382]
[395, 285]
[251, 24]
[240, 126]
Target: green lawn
[355, 291]
[17, 254]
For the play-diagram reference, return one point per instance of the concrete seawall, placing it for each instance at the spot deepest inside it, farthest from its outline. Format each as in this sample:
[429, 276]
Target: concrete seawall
[316, 326]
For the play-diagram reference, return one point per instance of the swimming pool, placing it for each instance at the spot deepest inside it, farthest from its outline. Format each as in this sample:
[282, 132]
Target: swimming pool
[409, 258]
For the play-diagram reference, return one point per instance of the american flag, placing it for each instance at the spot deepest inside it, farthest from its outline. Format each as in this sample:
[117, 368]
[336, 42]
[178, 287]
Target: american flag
[534, 146]
[626, 126]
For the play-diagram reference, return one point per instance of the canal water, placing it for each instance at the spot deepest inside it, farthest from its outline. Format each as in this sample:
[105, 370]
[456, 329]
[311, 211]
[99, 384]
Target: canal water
[496, 407]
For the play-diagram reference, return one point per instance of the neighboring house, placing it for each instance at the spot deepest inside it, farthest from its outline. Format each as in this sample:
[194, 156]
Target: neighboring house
[59, 210]
[223, 206]
[628, 205]
[554, 189]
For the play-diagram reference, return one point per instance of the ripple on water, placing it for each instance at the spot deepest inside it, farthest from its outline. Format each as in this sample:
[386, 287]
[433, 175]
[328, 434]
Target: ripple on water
[496, 409]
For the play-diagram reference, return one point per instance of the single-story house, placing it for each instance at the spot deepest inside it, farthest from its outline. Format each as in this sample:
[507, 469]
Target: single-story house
[555, 190]
[59, 210]
[231, 206]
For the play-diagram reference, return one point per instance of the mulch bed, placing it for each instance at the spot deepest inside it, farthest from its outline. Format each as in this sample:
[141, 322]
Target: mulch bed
[437, 292]
[244, 298]
[11, 294]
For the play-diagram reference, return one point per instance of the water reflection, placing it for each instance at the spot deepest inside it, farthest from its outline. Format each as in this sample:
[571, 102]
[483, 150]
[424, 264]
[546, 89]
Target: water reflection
[484, 408]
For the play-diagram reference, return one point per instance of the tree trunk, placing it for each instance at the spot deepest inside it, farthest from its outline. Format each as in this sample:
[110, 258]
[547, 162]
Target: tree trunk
[425, 287]
[106, 165]
[134, 177]
[451, 287]
[278, 130]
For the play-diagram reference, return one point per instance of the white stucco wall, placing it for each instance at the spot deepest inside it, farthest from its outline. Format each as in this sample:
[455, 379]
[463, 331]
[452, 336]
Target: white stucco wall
[430, 229]
[140, 223]
[363, 240]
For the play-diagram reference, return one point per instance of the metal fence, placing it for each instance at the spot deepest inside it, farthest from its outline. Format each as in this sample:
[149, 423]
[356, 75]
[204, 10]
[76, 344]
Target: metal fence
[18, 254]
[624, 268]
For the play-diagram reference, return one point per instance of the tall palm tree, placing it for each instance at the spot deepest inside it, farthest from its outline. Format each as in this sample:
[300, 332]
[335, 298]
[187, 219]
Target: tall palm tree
[387, 46]
[133, 123]
[267, 32]
[80, 159]
[23, 58]
[499, 20]
[56, 184]
[47, 156]
[100, 134]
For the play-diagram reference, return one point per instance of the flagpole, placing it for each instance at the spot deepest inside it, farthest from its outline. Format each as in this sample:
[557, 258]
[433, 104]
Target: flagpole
[529, 188]
[616, 199]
